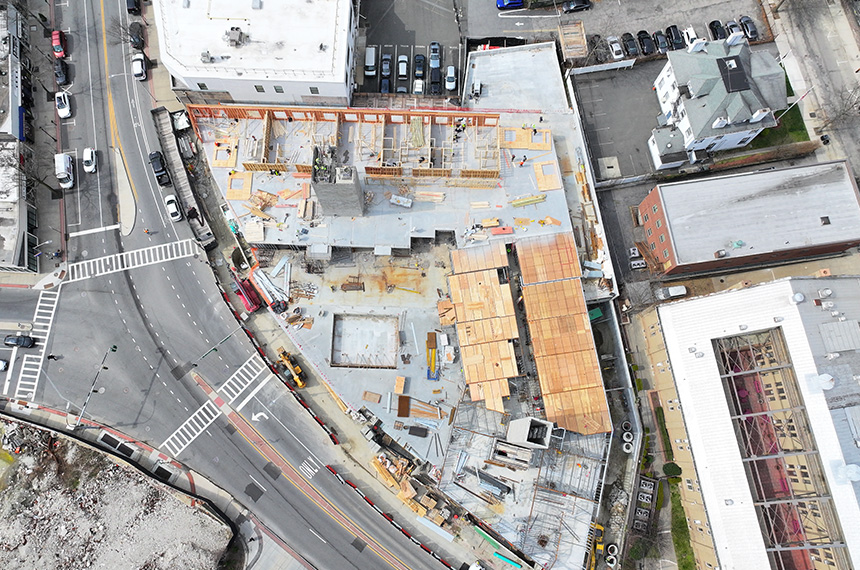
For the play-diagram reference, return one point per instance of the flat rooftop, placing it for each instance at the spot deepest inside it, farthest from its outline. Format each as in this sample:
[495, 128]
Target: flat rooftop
[753, 366]
[762, 212]
[298, 41]
[13, 209]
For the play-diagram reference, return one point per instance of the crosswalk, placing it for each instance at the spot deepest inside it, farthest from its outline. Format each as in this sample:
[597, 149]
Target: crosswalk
[191, 428]
[242, 378]
[132, 259]
[31, 367]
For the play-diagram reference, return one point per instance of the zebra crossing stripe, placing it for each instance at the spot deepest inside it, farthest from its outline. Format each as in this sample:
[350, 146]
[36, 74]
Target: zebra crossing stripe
[191, 428]
[132, 259]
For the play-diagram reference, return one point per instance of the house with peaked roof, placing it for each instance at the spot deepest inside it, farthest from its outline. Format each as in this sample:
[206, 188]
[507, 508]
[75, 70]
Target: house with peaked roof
[714, 96]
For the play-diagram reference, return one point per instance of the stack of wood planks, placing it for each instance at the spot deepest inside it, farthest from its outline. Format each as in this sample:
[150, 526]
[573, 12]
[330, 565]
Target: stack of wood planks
[425, 196]
[411, 408]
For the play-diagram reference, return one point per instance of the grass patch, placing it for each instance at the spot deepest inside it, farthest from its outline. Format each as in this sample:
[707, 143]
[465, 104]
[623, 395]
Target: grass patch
[668, 453]
[660, 495]
[680, 533]
[788, 90]
[790, 130]
[638, 384]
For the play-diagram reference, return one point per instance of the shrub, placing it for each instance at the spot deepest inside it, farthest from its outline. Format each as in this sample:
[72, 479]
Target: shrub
[671, 469]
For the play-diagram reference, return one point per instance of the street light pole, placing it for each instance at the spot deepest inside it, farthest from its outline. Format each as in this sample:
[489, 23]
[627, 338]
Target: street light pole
[215, 348]
[92, 389]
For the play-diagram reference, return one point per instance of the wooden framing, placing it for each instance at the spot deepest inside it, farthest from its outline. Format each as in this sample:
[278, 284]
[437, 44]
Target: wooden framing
[487, 330]
[489, 361]
[548, 258]
[489, 256]
[559, 335]
[554, 299]
[479, 295]
[582, 411]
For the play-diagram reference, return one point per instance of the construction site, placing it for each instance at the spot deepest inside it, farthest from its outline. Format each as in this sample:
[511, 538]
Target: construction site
[433, 269]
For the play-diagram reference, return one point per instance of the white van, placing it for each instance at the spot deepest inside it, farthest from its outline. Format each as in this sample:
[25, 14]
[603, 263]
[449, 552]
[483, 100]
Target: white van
[64, 169]
[370, 62]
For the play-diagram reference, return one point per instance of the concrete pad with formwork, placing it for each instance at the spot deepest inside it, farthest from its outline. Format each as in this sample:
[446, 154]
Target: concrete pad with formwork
[365, 341]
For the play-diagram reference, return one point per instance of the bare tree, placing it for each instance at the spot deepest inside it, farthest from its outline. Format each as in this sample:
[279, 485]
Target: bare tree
[847, 107]
[118, 32]
[23, 158]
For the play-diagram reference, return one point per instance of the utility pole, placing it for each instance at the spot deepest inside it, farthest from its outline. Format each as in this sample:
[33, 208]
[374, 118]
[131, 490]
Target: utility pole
[92, 389]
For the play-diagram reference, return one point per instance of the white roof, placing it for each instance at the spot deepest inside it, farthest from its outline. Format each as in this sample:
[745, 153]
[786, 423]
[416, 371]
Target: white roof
[295, 39]
[689, 328]
[761, 212]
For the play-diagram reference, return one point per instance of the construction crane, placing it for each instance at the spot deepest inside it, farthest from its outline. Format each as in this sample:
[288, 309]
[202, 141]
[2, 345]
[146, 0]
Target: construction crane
[292, 367]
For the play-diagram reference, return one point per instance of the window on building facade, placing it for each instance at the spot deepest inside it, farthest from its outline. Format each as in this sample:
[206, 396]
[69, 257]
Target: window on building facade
[315, 91]
[644, 217]
[202, 87]
[649, 232]
[259, 88]
[279, 89]
[658, 224]
[662, 238]
[665, 254]
[652, 245]
[654, 208]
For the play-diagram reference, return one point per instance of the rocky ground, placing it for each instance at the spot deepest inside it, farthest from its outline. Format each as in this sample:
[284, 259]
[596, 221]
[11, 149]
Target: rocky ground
[65, 506]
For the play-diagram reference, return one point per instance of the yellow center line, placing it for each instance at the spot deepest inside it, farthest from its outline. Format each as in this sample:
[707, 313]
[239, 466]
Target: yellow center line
[321, 495]
[114, 134]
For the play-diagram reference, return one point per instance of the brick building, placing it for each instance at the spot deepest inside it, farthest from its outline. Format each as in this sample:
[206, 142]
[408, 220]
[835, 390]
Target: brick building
[725, 223]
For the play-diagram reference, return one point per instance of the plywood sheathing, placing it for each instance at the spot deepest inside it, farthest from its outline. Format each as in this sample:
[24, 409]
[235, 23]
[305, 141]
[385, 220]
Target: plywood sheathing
[582, 411]
[547, 176]
[225, 153]
[487, 330]
[479, 295]
[491, 393]
[554, 299]
[239, 185]
[523, 138]
[488, 256]
[489, 361]
[558, 335]
[548, 258]
[447, 315]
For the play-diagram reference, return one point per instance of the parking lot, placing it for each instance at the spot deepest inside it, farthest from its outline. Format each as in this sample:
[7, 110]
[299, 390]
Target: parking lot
[406, 27]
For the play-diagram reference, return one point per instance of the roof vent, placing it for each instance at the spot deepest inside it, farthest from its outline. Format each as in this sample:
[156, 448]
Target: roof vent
[206, 58]
[825, 220]
[824, 293]
[256, 4]
[798, 298]
[719, 123]
[235, 37]
[759, 115]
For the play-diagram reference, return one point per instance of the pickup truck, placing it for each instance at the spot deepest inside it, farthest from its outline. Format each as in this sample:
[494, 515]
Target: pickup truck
[156, 161]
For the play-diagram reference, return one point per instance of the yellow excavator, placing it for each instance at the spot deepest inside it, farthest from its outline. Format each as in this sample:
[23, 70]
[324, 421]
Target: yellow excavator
[292, 367]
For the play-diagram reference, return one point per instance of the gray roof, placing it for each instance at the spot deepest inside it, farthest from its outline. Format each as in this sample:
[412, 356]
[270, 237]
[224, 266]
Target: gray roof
[730, 82]
[760, 212]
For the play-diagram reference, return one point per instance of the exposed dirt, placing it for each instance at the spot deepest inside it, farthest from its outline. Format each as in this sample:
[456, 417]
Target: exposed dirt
[65, 506]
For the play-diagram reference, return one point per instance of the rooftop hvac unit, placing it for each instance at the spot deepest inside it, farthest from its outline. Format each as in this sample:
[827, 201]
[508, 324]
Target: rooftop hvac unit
[824, 293]
[206, 58]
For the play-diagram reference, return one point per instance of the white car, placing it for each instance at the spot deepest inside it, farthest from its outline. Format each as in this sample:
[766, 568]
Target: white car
[171, 204]
[90, 160]
[615, 48]
[138, 66]
[403, 67]
[64, 106]
[451, 79]
[418, 87]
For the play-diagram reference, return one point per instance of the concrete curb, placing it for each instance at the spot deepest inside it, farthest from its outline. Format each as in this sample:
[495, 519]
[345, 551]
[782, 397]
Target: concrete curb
[126, 203]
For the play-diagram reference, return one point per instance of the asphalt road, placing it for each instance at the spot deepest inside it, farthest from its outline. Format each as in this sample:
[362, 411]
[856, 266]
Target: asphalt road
[164, 317]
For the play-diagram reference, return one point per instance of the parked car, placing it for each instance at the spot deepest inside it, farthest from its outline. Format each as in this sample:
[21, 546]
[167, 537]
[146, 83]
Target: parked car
[748, 26]
[418, 66]
[629, 42]
[171, 204]
[435, 81]
[403, 67]
[718, 32]
[90, 160]
[58, 43]
[690, 35]
[676, 40]
[64, 106]
[138, 66]
[385, 85]
[61, 72]
[666, 293]
[451, 78]
[575, 6]
[509, 4]
[418, 87]
[4, 364]
[402, 89]
[385, 70]
[435, 55]
[135, 35]
[156, 161]
[646, 44]
[732, 27]
[660, 41]
[615, 48]
[23, 341]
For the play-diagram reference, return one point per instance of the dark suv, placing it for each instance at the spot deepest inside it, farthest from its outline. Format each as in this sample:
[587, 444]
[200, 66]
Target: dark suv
[22, 341]
[61, 72]
[676, 40]
[135, 35]
[630, 47]
[418, 67]
[156, 160]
